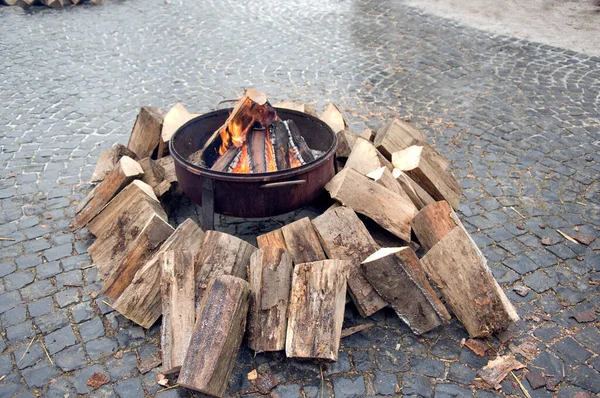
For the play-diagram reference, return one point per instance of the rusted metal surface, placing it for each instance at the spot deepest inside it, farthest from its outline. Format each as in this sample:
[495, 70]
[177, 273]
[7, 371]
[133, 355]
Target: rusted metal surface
[254, 195]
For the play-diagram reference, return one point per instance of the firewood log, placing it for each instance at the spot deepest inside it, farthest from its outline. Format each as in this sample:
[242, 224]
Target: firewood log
[9, 2]
[108, 159]
[345, 237]
[397, 135]
[178, 307]
[316, 309]
[397, 276]
[221, 254]
[365, 158]
[280, 137]
[388, 209]
[274, 238]
[299, 141]
[120, 275]
[295, 106]
[270, 283]
[141, 301]
[225, 160]
[168, 165]
[460, 271]
[124, 172]
[419, 197]
[384, 177]
[176, 117]
[154, 173]
[434, 222]
[53, 3]
[257, 150]
[346, 141]
[333, 117]
[368, 135]
[299, 238]
[146, 134]
[25, 3]
[439, 183]
[217, 336]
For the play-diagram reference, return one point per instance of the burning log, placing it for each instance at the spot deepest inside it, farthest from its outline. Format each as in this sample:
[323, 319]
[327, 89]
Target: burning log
[397, 276]
[281, 144]
[316, 310]
[257, 150]
[217, 336]
[298, 144]
[270, 281]
[224, 161]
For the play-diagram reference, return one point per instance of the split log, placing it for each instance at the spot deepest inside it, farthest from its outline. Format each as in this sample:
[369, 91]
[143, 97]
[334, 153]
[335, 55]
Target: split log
[296, 106]
[168, 165]
[439, 183]
[221, 254]
[120, 275]
[54, 3]
[434, 222]
[388, 209]
[397, 135]
[141, 301]
[316, 310]
[397, 276]
[345, 237]
[173, 120]
[124, 172]
[274, 238]
[225, 160]
[299, 142]
[302, 241]
[368, 135]
[146, 134]
[365, 158]
[460, 270]
[257, 150]
[178, 307]
[270, 283]
[108, 160]
[9, 2]
[384, 177]
[281, 144]
[346, 141]
[217, 336]
[333, 117]
[417, 194]
[25, 3]
[154, 173]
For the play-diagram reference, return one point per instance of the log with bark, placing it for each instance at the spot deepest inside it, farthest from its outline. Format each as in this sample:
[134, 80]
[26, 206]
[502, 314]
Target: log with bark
[257, 150]
[178, 307]
[281, 144]
[108, 159]
[433, 222]
[119, 224]
[298, 142]
[437, 182]
[388, 209]
[397, 135]
[334, 118]
[119, 276]
[125, 171]
[397, 276]
[270, 282]
[154, 173]
[316, 310]
[299, 238]
[384, 177]
[221, 254]
[217, 336]
[224, 161]
[141, 301]
[146, 134]
[345, 237]
[417, 194]
[460, 271]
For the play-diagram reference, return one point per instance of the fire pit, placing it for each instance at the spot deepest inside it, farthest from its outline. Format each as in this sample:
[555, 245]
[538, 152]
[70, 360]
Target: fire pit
[252, 195]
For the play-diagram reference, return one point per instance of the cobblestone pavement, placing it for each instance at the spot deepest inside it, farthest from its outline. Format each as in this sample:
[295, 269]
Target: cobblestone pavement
[518, 120]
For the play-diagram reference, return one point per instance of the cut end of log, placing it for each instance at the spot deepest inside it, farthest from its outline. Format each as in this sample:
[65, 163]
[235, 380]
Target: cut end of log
[383, 252]
[146, 188]
[130, 167]
[407, 159]
[175, 118]
[334, 118]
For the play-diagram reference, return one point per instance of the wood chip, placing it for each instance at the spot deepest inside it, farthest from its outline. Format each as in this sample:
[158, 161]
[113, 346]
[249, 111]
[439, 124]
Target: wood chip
[547, 241]
[586, 239]
[266, 382]
[478, 346]
[528, 349]
[521, 290]
[253, 375]
[585, 316]
[162, 380]
[97, 380]
[567, 237]
[497, 369]
[521, 226]
[148, 364]
[355, 329]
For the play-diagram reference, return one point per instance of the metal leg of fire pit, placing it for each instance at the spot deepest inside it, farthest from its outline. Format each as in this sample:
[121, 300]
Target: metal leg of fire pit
[208, 204]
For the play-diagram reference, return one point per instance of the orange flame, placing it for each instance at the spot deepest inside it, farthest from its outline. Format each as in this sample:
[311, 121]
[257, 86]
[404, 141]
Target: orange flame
[243, 165]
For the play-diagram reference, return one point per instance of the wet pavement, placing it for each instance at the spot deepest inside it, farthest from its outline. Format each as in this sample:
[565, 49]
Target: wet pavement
[518, 121]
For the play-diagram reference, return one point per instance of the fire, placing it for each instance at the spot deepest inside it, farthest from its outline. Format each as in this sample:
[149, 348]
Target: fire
[243, 165]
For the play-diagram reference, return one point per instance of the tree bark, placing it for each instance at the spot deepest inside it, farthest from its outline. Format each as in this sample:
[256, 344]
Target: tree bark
[434, 222]
[154, 173]
[460, 270]
[141, 301]
[124, 172]
[397, 276]
[270, 283]
[316, 310]
[298, 140]
[217, 336]
[345, 237]
[388, 209]
[178, 307]
[279, 135]
[274, 238]
[384, 177]
[146, 134]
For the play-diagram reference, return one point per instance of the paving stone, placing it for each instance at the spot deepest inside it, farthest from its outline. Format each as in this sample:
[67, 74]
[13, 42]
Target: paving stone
[363, 360]
[80, 378]
[349, 386]
[589, 337]
[47, 270]
[91, 330]
[342, 365]
[40, 374]
[288, 391]
[129, 388]
[41, 307]
[6, 268]
[22, 331]
[569, 295]
[28, 357]
[71, 358]
[60, 339]
[521, 264]
[393, 361]
[427, 367]
[586, 378]
[17, 280]
[13, 316]
[67, 297]
[102, 347]
[58, 252]
[82, 312]
[28, 261]
[52, 321]
[446, 390]
[539, 281]
[38, 290]
[461, 374]
[131, 337]
[9, 301]
[120, 368]
[6, 365]
[547, 334]
[60, 388]
[69, 279]
[549, 364]
[446, 349]
[416, 385]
